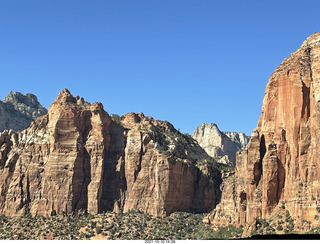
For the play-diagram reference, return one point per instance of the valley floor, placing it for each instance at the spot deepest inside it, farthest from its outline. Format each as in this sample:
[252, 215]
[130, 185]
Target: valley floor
[133, 225]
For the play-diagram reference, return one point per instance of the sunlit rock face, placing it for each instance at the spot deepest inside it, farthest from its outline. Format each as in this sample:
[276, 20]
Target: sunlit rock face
[17, 111]
[280, 167]
[217, 143]
[76, 157]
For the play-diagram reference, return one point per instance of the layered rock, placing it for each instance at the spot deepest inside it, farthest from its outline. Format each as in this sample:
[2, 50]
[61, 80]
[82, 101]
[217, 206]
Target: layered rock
[17, 111]
[225, 212]
[280, 167]
[217, 143]
[77, 157]
[160, 175]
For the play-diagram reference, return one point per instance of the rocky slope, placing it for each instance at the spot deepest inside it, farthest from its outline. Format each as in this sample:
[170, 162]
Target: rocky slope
[279, 171]
[77, 157]
[17, 111]
[217, 143]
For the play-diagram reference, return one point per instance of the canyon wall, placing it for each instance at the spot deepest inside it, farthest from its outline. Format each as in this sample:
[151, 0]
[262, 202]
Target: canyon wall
[76, 157]
[280, 167]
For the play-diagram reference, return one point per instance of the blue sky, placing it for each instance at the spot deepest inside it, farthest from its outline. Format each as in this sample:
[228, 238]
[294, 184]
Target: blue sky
[187, 62]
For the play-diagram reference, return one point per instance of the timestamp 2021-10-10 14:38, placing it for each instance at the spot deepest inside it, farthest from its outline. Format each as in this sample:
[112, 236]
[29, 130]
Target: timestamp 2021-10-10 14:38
[160, 241]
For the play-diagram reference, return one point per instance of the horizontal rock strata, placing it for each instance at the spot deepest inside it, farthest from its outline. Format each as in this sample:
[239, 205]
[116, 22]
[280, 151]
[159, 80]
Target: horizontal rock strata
[77, 157]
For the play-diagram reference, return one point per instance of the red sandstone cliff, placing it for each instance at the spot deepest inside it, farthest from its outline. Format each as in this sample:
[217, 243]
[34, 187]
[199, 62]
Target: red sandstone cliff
[76, 157]
[280, 168]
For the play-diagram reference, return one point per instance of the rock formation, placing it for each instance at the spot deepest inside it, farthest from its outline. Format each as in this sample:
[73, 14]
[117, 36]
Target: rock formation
[225, 212]
[279, 170]
[77, 157]
[17, 111]
[217, 143]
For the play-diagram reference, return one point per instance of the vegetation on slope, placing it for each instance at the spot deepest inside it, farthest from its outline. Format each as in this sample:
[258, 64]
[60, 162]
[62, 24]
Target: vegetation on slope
[121, 226]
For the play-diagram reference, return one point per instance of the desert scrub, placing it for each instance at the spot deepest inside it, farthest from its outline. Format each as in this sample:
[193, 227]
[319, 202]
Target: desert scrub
[214, 165]
[133, 225]
[57, 227]
[138, 225]
[263, 227]
[228, 232]
[117, 118]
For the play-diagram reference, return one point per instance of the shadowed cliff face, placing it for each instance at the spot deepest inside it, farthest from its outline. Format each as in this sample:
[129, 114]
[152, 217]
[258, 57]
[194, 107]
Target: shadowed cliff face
[281, 165]
[77, 157]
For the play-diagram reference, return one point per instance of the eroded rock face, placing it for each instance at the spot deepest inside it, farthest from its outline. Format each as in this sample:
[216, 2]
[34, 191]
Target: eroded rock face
[17, 111]
[159, 169]
[225, 212]
[76, 157]
[57, 163]
[217, 143]
[280, 167]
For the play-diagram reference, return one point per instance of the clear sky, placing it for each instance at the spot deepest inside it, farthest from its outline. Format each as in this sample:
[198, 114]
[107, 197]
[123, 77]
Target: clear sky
[184, 61]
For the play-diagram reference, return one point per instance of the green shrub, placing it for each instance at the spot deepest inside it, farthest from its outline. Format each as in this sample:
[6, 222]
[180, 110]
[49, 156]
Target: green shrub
[279, 227]
[93, 224]
[254, 233]
[53, 213]
[116, 118]
[98, 230]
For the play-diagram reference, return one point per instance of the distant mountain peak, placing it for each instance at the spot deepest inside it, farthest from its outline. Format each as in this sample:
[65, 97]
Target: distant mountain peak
[18, 110]
[218, 143]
